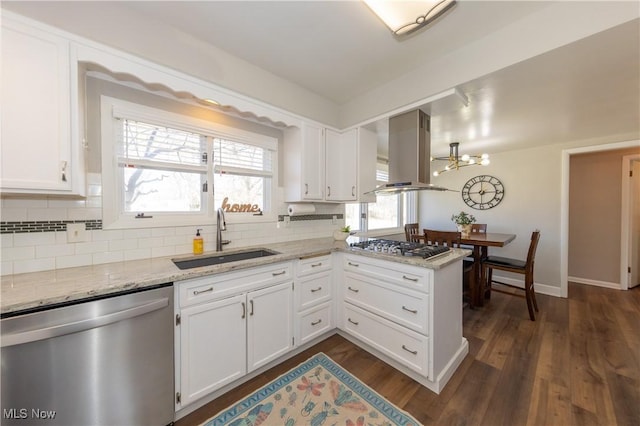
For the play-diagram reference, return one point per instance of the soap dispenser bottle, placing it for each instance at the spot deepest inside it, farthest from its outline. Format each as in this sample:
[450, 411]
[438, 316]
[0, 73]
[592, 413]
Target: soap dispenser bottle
[198, 243]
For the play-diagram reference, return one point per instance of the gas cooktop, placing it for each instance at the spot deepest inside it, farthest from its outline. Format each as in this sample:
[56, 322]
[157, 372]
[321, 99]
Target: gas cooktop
[400, 248]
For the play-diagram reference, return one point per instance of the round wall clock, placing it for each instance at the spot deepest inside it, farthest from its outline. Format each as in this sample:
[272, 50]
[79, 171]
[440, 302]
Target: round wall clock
[483, 192]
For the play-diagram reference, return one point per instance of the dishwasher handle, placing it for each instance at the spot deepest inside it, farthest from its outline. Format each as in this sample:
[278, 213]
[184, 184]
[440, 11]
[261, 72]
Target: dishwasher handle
[81, 325]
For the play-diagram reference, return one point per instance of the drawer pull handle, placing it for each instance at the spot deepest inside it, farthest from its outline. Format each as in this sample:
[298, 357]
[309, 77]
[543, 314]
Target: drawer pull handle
[352, 322]
[409, 350]
[413, 311]
[244, 310]
[352, 264]
[313, 290]
[275, 274]
[251, 303]
[197, 292]
[355, 290]
[316, 322]
[409, 278]
[315, 265]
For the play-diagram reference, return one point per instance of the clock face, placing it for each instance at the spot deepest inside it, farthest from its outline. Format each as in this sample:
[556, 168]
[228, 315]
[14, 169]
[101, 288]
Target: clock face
[483, 192]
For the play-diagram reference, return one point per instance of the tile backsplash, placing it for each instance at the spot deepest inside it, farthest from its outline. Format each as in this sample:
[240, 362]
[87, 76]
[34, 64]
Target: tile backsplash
[34, 236]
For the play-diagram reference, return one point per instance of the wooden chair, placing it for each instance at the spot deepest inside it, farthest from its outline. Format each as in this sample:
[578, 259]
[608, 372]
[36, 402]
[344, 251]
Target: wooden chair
[412, 232]
[480, 228]
[524, 267]
[452, 239]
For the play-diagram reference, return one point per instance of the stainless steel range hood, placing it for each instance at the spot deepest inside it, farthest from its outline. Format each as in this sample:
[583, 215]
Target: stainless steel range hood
[409, 154]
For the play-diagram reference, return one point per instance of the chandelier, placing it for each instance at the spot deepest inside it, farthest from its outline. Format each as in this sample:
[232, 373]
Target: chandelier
[455, 162]
[405, 17]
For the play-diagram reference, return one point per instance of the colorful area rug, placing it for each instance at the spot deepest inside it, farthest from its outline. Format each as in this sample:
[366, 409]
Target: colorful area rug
[317, 392]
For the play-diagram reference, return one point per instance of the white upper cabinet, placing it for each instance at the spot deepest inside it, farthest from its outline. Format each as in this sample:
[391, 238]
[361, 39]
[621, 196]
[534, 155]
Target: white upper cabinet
[39, 105]
[325, 165]
[304, 163]
[341, 167]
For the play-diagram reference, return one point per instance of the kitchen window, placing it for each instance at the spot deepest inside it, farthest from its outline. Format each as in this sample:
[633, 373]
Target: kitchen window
[166, 169]
[385, 216]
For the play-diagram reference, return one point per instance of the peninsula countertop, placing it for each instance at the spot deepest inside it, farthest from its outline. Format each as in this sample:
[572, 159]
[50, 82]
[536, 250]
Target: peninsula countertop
[38, 289]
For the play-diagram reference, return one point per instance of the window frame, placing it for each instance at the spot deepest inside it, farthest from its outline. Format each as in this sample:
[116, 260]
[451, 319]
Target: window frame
[113, 216]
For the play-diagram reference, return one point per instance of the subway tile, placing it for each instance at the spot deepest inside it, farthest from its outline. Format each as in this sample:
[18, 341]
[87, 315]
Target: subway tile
[24, 203]
[176, 239]
[92, 247]
[34, 239]
[150, 242]
[73, 261]
[142, 253]
[55, 250]
[33, 265]
[138, 233]
[107, 257]
[163, 251]
[18, 253]
[119, 245]
[6, 268]
[7, 240]
[162, 232]
[85, 214]
[107, 235]
[47, 214]
[65, 204]
[14, 214]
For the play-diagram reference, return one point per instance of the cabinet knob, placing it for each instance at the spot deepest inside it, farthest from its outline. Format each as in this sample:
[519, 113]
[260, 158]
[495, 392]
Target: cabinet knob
[353, 191]
[306, 189]
[328, 191]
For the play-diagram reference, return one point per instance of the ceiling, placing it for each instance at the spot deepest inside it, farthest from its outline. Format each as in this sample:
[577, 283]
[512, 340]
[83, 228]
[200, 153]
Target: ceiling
[340, 50]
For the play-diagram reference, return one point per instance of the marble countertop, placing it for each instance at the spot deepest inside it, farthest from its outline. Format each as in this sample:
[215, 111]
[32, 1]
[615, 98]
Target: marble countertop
[25, 291]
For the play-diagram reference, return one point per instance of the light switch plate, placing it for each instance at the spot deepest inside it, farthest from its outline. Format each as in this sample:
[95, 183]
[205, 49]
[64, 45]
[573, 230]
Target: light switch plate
[77, 233]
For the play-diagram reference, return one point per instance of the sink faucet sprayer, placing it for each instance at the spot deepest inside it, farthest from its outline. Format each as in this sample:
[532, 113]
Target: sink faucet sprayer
[221, 225]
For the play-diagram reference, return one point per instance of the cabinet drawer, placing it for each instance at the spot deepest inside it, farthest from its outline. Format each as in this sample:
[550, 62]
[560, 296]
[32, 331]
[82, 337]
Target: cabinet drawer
[314, 264]
[313, 290]
[202, 289]
[402, 274]
[397, 342]
[398, 304]
[313, 322]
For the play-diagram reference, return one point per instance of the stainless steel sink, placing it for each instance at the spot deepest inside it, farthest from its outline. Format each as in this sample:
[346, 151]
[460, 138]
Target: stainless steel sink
[220, 258]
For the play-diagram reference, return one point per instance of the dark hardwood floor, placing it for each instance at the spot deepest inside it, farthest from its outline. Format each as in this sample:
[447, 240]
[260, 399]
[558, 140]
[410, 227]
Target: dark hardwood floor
[577, 364]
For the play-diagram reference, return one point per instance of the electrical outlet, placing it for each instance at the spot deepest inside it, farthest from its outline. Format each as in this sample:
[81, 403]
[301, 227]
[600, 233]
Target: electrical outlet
[77, 233]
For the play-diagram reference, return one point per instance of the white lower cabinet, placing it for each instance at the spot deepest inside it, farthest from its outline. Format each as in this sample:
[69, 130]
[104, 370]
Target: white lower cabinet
[391, 308]
[222, 336]
[270, 324]
[313, 297]
[213, 346]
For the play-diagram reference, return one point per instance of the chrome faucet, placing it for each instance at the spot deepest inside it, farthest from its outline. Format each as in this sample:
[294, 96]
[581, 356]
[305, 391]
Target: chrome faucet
[221, 225]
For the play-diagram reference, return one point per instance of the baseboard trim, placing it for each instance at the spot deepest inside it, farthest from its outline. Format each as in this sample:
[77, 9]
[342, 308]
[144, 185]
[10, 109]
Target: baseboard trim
[597, 283]
[549, 290]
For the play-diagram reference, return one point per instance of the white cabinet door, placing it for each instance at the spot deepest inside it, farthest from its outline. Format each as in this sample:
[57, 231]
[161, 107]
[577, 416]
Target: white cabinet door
[36, 112]
[341, 165]
[312, 167]
[304, 163]
[270, 324]
[213, 346]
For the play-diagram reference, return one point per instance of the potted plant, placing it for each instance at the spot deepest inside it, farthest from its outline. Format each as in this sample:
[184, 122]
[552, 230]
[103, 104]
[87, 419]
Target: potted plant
[463, 221]
[342, 233]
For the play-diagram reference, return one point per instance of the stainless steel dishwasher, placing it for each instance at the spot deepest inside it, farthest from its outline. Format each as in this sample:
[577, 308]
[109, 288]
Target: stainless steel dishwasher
[106, 361]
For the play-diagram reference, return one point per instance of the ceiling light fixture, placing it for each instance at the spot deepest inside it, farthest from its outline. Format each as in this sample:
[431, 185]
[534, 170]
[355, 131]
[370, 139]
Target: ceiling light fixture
[455, 162]
[405, 17]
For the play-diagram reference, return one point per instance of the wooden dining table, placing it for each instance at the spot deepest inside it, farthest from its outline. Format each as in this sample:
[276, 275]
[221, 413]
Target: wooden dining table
[481, 242]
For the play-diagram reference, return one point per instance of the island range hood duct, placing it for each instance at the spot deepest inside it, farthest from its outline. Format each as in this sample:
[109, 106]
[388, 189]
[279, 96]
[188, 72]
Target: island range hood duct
[409, 154]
